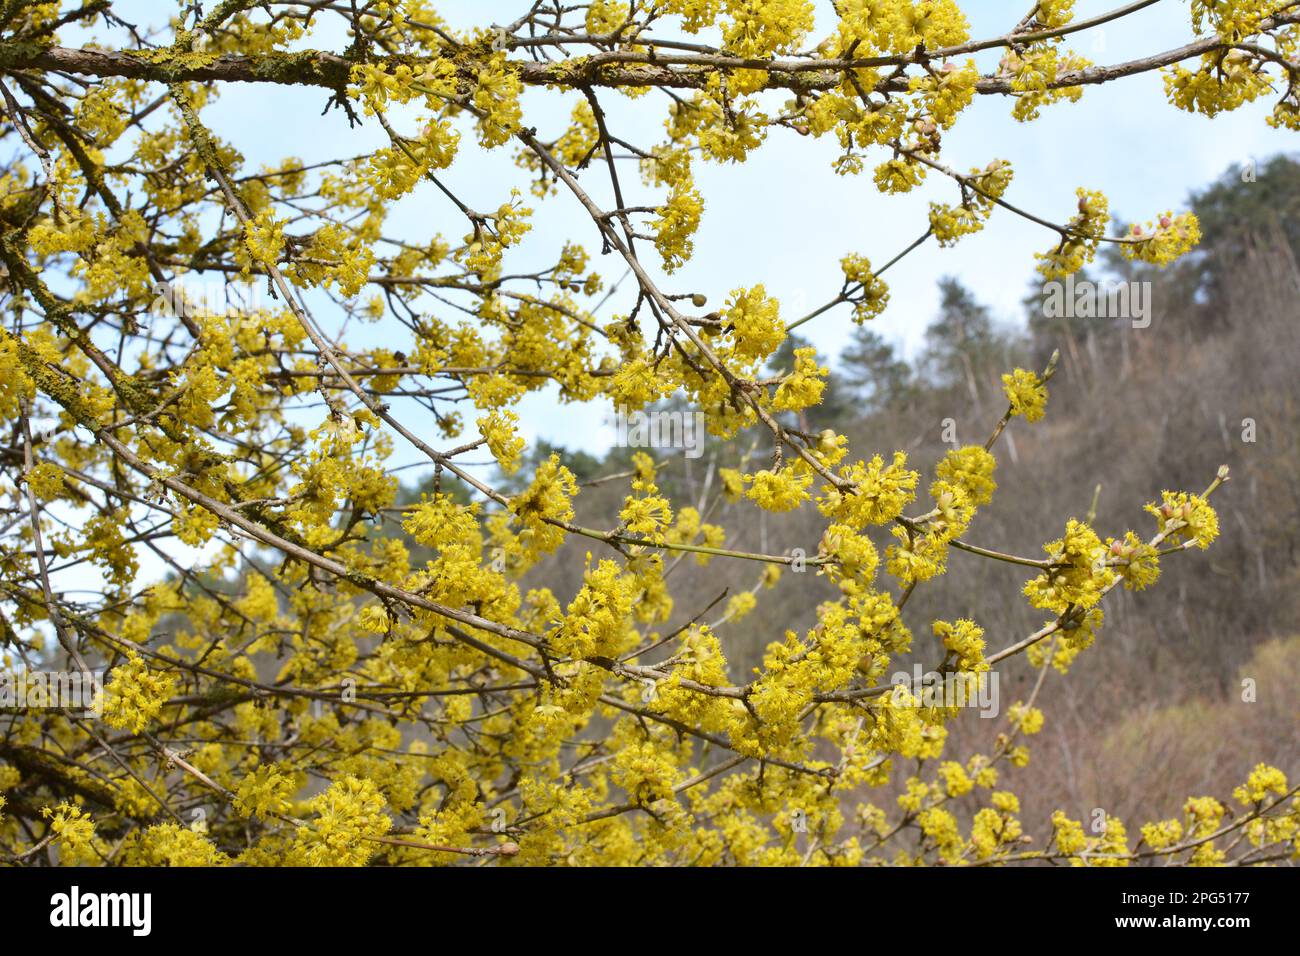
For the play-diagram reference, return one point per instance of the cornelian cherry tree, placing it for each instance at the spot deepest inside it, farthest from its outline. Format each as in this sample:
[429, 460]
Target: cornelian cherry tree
[285, 682]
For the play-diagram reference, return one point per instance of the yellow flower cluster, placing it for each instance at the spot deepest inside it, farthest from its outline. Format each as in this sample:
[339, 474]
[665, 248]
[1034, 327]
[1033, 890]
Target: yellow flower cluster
[1262, 781]
[780, 490]
[877, 493]
[965, 641]
[265, 791]
[900, 26]
[759, 30]
[349, 815]
[803, 386]
[871, 295]
[1078, 571]
[1186, 517]
[498, 428]
[45, 479]
[1084, 232]
[970, 468]
[755, 320]
[950, 223]
[1169, 238]
[1134, 560]
[135, 695]
[74, 834]
[1026, 392]
[545, 501]
[678, 220]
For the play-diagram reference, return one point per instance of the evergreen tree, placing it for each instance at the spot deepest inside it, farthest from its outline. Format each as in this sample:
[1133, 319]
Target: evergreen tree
[873, 373]
[961, 343]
